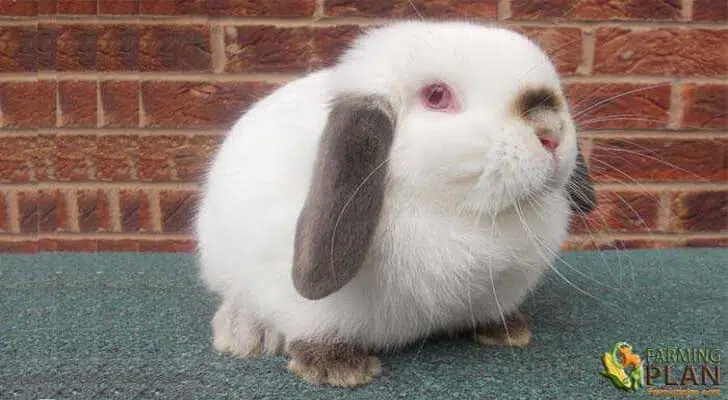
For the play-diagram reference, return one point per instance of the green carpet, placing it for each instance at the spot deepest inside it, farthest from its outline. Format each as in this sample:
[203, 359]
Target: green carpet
[125, 325]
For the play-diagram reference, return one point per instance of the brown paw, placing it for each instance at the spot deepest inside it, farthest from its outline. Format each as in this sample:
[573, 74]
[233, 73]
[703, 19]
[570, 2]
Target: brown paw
[337, 364]
[495, 334]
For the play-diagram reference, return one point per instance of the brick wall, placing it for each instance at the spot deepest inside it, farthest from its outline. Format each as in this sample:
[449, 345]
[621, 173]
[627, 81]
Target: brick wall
[109, 109]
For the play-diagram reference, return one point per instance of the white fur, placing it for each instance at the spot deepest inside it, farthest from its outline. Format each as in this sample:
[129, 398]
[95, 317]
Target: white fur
[449, 223]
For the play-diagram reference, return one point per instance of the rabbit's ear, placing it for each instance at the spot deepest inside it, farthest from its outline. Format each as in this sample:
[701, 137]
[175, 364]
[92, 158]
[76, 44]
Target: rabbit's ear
[580, 187]
[341, 212]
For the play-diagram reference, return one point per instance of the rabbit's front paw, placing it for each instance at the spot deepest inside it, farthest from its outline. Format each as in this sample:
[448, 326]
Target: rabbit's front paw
[515, 332]
[240, 334]
[337, 364]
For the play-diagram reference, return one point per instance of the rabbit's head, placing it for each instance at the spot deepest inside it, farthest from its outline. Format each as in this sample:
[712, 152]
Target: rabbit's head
[450, 114]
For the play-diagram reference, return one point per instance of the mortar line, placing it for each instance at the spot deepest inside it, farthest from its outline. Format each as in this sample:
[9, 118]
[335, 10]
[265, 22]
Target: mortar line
[279, 78]
[686, 134]
[664, 212]
[95, 236]
[504, 10]
[189, 236]
[142, 113]
[217, 46]
[150, 76]
[588, 49]
[650, 236]
[13, 208]
[58, 104]
[155, 213]
[319, 10]
[71, 194]
[657, 134]
[114, 209]
[327, 21]
[688, 9]
[100, 116]
[196, 186]
[675, 111]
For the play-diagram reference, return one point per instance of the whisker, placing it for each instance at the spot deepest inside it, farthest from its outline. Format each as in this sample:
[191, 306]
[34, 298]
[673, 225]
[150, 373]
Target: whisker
[346, 204]
[612, 98]
[669, 164]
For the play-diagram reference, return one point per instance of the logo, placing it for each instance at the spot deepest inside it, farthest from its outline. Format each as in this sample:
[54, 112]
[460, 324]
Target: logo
[616, 363]
[665, 371]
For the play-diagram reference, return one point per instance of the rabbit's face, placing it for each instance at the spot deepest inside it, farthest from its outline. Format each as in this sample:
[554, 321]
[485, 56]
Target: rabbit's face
[481, 120]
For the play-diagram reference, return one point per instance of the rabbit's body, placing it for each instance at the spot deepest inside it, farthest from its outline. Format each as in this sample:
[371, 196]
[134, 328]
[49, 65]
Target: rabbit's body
[445, 253]
[427, 270]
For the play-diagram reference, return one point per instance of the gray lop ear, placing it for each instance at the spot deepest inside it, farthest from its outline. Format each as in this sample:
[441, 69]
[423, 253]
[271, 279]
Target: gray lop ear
[580, 187]
[341, 212]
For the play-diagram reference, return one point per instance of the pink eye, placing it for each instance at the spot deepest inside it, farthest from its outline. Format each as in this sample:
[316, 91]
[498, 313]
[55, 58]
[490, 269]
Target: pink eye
[439, 97]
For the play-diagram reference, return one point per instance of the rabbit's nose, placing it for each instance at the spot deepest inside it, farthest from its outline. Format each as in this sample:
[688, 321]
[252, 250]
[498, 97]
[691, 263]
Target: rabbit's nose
[549, 141]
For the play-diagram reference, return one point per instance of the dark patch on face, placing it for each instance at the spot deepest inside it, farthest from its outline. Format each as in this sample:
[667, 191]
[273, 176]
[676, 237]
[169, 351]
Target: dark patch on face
[345, 198]
[580, 188]
[534, 99]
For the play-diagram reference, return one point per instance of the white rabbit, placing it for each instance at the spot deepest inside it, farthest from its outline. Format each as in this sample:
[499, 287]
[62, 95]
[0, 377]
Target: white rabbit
[422, 185]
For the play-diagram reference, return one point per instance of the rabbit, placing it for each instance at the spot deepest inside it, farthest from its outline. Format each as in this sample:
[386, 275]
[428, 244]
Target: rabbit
[420, 186]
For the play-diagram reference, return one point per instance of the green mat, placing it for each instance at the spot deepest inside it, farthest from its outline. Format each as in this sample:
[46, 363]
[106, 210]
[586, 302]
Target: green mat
[136, 326]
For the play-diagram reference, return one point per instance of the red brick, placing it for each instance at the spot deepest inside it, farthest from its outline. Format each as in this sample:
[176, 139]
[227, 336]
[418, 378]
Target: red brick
[707, 242]
[699, 211]
[52, 211]
[47, 7]
[18, 49]
[46, 38]
[116, 7]
[83, 7]
[135, 213]
[28, 104]
[43, 156]
[118, 48]
[667, 160]
[591, 10]
[705, 106]
[487, 9]
[76, 47]
[562, 44]
[268, 49]
[173, 7]
[156, 157]
[28, 211]
[120, 103]
[191, 162]
[198, 104]
[118, 245]
[257, 8]
[76, 245]
[46, 245]
[619, 212]
[94, 213]
[663, 52]
[77, 103]
[18, 246]
[116, 157]
[178, 209]
[619, 105]
[16, 158]
[168, 246]
[15, 8]
[3, 213]
[175, 48]
[74, 158]
[330, 43]
[710, 10]
[618, 244]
